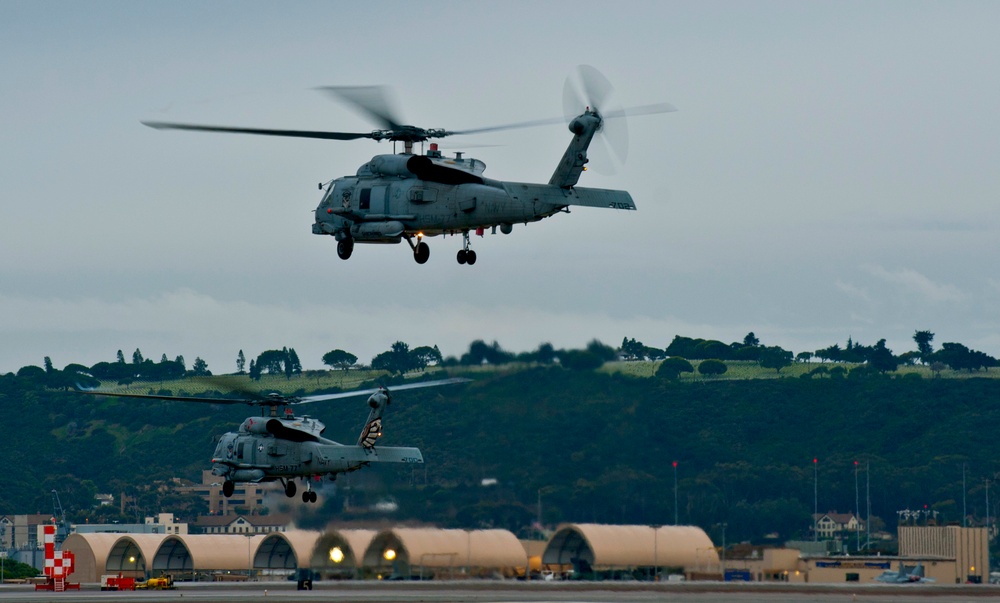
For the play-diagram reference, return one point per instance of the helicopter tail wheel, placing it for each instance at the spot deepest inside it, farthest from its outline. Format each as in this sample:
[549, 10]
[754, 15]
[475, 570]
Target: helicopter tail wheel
[421, 253]
[228, 487]
[345, 248]
[290, 489]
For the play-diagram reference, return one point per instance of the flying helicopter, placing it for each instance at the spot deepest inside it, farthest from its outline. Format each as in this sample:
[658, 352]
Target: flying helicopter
[407, 196]
[272, 448]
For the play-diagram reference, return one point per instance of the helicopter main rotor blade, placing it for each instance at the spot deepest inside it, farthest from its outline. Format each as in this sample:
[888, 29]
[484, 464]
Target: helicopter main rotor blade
[364, 392]
[641, 110]
[372, 101]
[162, 125]
[95, 392]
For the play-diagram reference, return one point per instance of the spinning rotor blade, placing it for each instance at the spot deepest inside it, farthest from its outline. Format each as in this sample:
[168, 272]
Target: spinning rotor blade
[162, 125]
[590, 90]
[373, 101]
[95, 392]
[396, 388]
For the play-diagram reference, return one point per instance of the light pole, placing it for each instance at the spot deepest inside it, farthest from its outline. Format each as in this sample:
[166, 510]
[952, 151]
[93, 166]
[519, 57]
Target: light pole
[857, 505]
[656, 557]
[676, 522]
[723, 560]
[815, 499]
[249, 536]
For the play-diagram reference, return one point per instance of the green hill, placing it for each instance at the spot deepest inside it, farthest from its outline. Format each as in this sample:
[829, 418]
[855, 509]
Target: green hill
[589, 445]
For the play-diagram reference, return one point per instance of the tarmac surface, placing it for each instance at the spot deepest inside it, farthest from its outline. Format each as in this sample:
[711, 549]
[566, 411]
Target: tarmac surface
[518, 592]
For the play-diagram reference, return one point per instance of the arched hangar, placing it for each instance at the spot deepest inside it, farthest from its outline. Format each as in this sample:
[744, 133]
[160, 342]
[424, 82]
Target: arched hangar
[598, 547]
[429, 552]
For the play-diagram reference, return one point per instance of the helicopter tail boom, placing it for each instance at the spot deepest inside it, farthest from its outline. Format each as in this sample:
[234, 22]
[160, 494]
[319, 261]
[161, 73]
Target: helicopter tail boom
[589, 197]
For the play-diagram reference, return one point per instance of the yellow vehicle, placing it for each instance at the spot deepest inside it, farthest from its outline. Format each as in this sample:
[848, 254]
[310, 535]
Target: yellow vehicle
[161, 583]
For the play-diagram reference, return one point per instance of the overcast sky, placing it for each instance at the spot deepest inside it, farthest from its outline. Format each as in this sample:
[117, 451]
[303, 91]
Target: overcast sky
[831, 173]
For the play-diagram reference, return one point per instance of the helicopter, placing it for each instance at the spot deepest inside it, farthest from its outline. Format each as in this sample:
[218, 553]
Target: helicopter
[272, 448]
[407, 196]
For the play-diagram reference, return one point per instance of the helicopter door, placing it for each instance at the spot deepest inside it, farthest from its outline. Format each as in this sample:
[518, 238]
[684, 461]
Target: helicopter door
[380, 199]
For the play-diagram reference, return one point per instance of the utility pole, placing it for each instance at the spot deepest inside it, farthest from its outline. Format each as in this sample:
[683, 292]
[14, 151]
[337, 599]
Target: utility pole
[857, 505]
[676, 522]
[815, 499]
[868, 499]
[964, 512]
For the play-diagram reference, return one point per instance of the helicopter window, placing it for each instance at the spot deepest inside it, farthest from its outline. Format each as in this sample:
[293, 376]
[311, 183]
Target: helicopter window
[239, 450]
[366, 198]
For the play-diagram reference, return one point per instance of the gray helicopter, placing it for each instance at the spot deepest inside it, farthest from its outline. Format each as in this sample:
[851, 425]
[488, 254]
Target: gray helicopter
[409, 196]
[272, 448]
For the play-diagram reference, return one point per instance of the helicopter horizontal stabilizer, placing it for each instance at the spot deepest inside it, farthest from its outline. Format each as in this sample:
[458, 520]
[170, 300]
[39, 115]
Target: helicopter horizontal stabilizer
[589, 197]
[380, 454]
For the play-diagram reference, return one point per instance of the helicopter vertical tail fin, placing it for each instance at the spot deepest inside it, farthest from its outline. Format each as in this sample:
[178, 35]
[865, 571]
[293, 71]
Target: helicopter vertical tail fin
[372, 430]
[574, 160]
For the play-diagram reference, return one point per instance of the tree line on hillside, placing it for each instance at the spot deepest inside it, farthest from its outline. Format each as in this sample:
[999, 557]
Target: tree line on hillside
[400, 359]
[745, 451]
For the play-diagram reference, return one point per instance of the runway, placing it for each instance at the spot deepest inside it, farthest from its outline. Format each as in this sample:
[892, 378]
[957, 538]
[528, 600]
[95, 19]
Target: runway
[518, 592]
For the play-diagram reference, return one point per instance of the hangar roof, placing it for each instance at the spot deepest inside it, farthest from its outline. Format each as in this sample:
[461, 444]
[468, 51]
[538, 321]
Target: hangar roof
[630, 546]
[432, 547]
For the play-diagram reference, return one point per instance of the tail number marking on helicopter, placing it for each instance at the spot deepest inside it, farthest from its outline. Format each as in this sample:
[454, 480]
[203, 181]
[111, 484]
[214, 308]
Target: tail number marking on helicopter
[409, 459]
[288, 468]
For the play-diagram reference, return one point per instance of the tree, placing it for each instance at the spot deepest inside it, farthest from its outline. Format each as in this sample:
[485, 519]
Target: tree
[339, 359]
[603, 351]
[395, 360]
[923, 340]
[137, 357]
[200, 368]
[803, 357]
[632, 349]
[545, 354]
[48, 365]
[881, 358]
[775, 357]
[425, 356]
[254, 370]
[672, 367]
[580, 360]
[712, 367]
[241, 362]
[480, 353]
[751, 341]
[121, 357]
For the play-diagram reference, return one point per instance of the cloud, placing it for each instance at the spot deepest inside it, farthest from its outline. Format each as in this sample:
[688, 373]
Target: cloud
[912, 281]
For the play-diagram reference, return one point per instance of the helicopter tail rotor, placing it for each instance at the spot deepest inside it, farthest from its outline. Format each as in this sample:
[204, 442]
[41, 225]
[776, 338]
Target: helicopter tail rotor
[589, 90]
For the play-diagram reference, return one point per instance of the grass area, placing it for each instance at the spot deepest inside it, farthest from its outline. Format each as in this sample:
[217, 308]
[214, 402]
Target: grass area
[748, 369]
[319, 380]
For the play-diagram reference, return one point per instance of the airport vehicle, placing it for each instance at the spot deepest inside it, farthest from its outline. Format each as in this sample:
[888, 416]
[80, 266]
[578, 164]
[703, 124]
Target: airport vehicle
[163, 582]
[285, 448]
[906, 574]
[117, 582]
[409, 196]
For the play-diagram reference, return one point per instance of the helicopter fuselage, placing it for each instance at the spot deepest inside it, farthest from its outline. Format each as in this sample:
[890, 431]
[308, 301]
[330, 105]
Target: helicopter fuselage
[405, 197]
[263, 458]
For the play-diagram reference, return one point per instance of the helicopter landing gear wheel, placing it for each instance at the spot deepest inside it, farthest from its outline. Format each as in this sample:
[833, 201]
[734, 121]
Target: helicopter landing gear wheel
[345, 248]
[421, 253]
[290, 489]
[308, 496]
[466, 255]
[228, 487]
